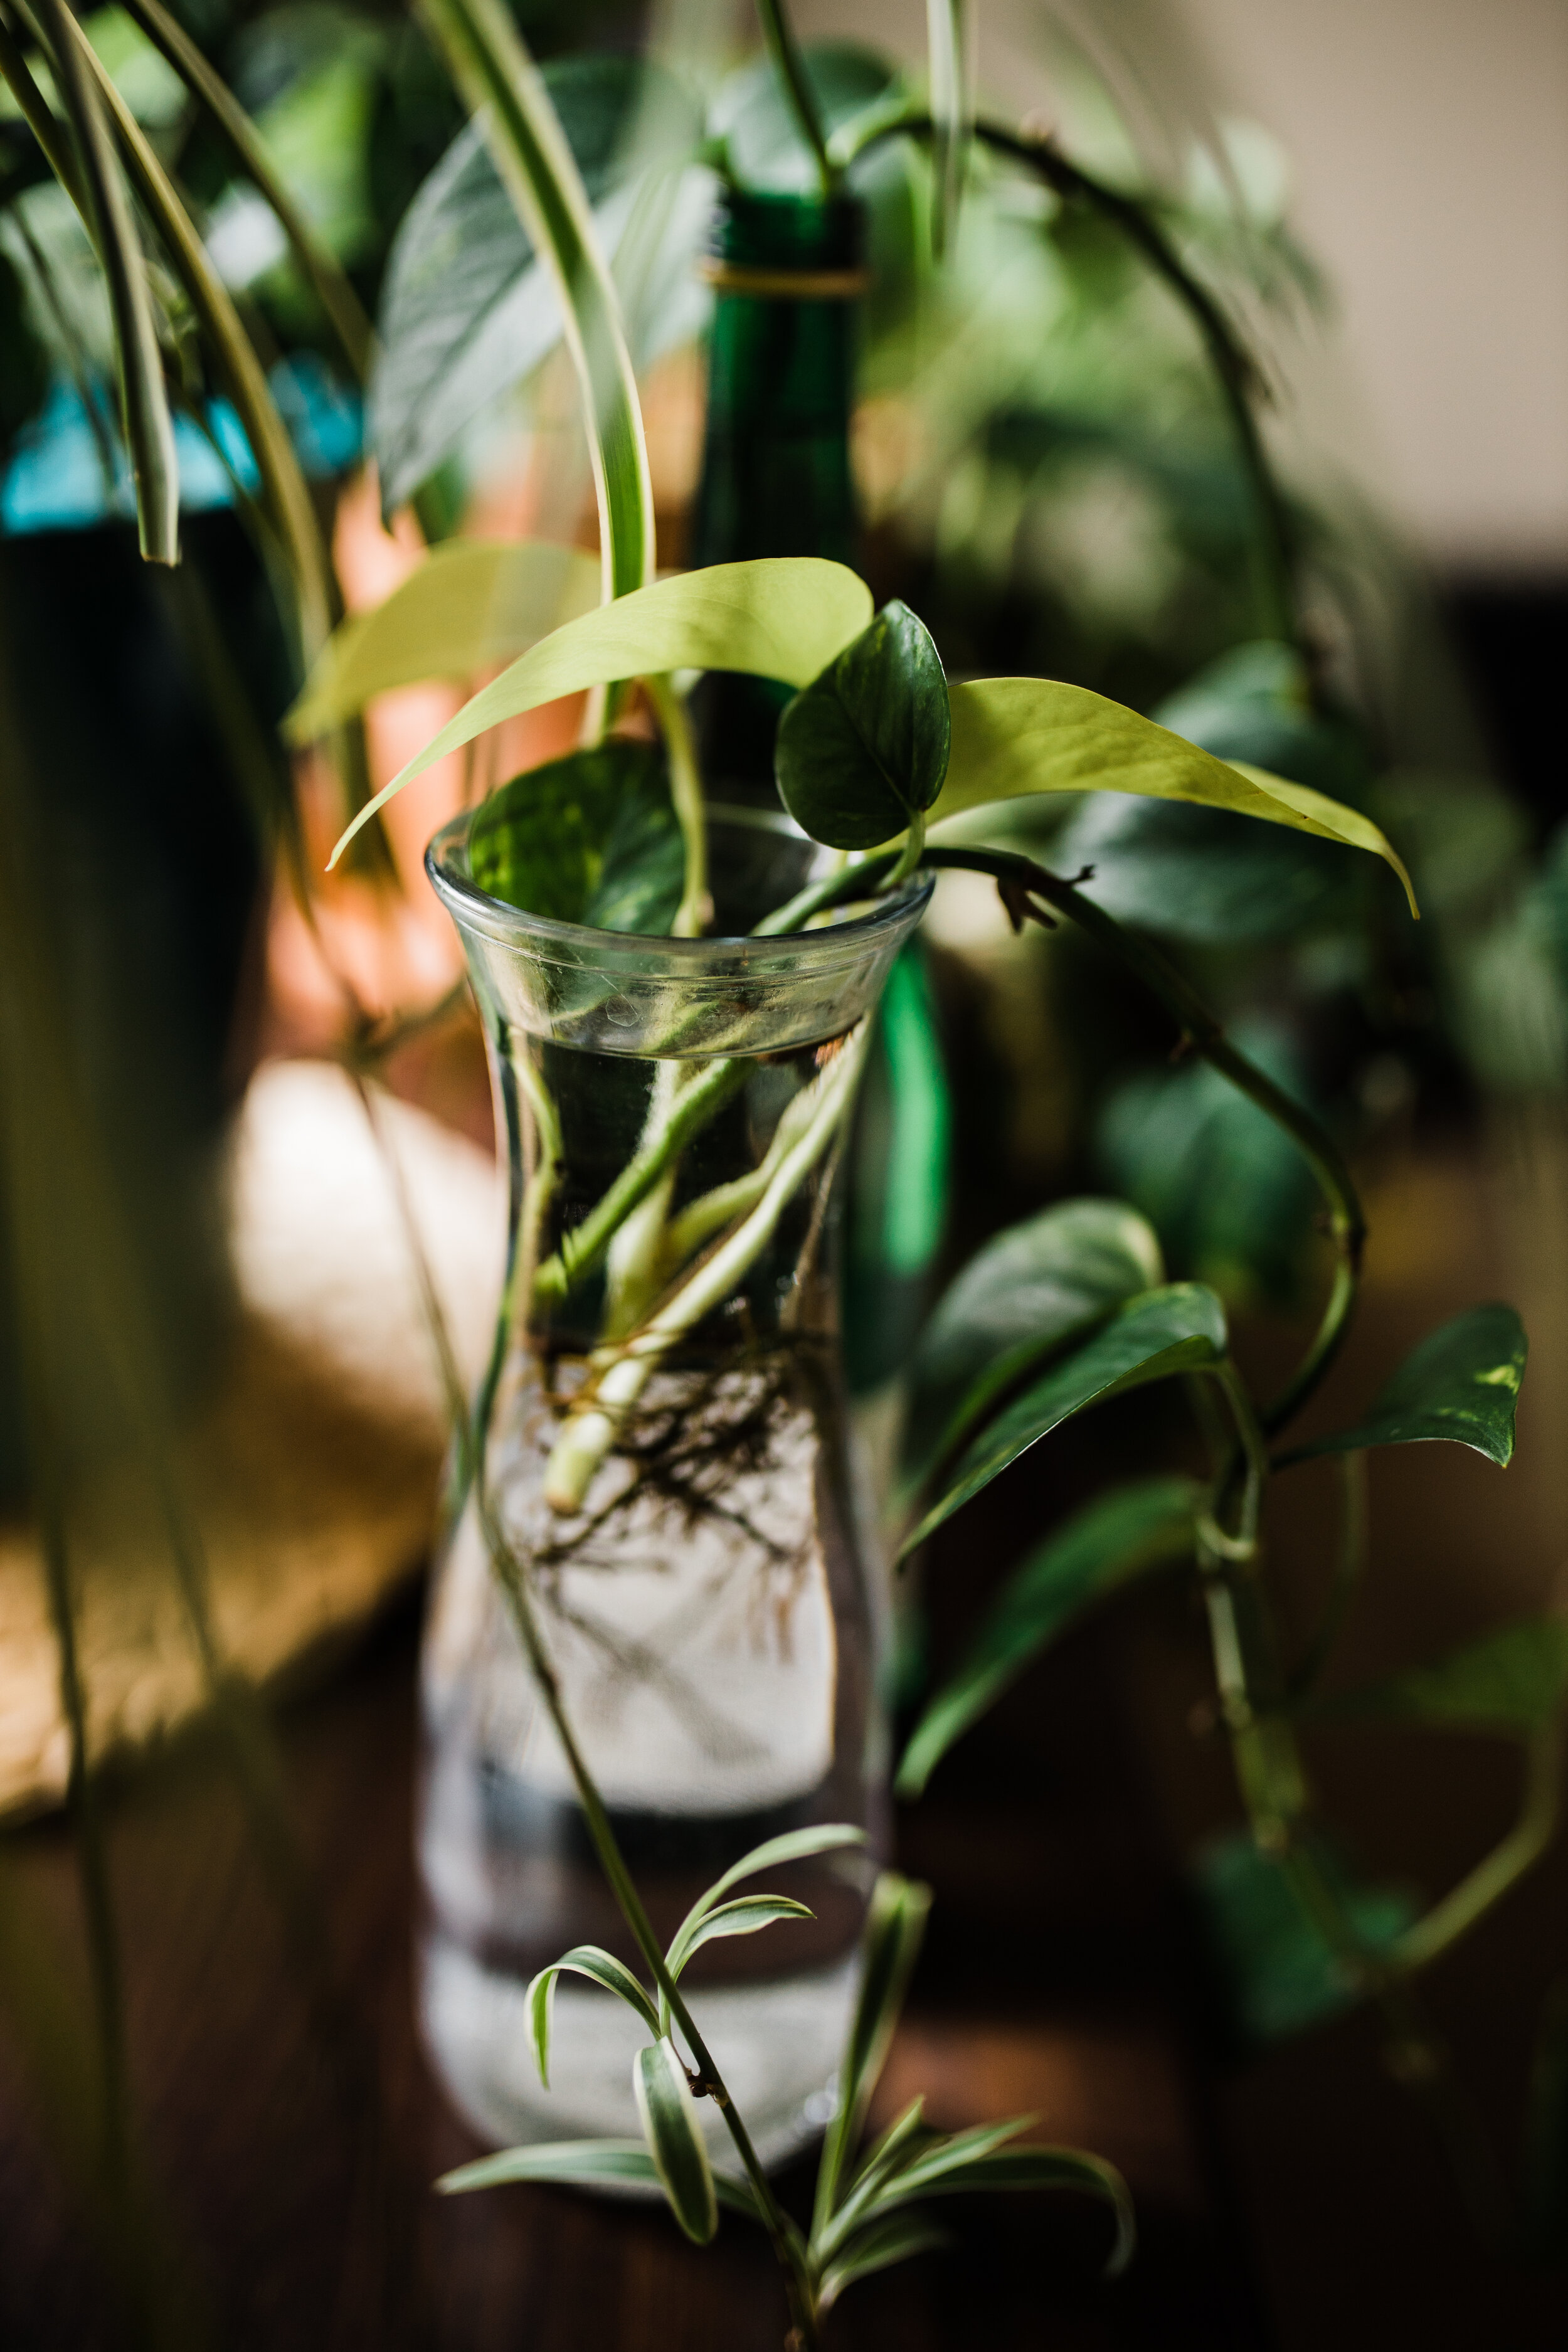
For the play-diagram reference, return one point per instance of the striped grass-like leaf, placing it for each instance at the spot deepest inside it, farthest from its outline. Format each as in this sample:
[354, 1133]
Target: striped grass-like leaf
[949, 114]
[585, 2164]
[669, 2122]
[745, 1916]
[504, 90]
[600, 1968]
[877, 2248]
[145, 404]
[791, 1845]
[895, 1923]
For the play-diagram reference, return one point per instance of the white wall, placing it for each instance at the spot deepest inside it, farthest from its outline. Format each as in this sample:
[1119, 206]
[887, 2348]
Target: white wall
[1429, 143]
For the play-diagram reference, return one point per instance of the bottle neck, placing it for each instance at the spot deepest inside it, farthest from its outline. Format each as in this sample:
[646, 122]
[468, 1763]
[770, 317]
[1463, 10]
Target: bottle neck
[776, 465]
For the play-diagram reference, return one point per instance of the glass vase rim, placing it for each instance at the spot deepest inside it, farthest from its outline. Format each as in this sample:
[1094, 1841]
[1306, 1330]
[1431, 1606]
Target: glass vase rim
[548, 939]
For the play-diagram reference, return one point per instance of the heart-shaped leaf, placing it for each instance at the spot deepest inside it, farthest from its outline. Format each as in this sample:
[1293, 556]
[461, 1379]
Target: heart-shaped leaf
[668, 2113]
[465, 309]
[1180, 1329]
[600, 1968]
[591, 838]
[777, 616]
[472, 603]
[1514, 1680]
[1014, 736]
[1277, 1970]
[863, 751]
[1019, 1297]
[1117, 1537]
[1461, 1383]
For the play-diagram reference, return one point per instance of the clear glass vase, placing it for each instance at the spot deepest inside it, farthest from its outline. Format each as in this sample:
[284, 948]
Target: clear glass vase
[668, 1466]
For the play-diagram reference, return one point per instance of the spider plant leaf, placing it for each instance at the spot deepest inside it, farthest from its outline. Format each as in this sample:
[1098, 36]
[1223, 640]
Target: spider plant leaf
[877, 2248]
[949, 114]
[863, 751]
[668, 2115]
[143, 402]
[584, 2164]
[1461, 1383]
[1020, 1297]
[745, 1916]
[590, 838]
[791, 1845]
[895, 1923]
[776, 616]
[468, 309]
[1514, 1680]
[1180, 1329]
[1014, 736]
[1119, 1536]
[600, 1968]
[472, 603]
[957, 2172]
[493, 68]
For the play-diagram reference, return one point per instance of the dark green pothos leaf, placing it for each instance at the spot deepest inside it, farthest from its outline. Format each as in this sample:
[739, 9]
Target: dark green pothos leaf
[1117, 1537]
[668, 2113]
[1017, 1299]
[863, 751]
[466, 311]
[1514, 1680]
[1180, 1329]
[1277, 1972]
[1461, 1383]
[591, 838]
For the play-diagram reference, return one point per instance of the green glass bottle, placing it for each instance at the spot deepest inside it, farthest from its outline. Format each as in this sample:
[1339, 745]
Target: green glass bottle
[787, 271]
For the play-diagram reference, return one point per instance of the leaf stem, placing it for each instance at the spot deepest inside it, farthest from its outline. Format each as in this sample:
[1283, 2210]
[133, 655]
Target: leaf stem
[790, 65]
[695, 911]
[785, 2241]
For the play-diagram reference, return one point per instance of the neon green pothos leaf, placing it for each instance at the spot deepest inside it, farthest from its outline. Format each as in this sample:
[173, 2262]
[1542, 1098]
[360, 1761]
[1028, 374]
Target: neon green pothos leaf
[784, 618]
[1018, 735]
[1462, 1383]
[668, 2113]
[471, 603]
[1514, 1680]
[1180, 1329]
[1117, 1537]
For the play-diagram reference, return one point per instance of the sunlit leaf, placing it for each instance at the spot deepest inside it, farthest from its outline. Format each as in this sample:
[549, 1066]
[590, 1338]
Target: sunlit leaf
[472, 603]
[1278, 1973]
[863, 749]
[895, 1923]
[745, 1916]
[1514, 1680]
[1180, 1329]
[1019, 1297]
[600, 1968]
[784, 618]
[668, 2113]
[1202, 875]
[591, 838]
[465, 309]
[584, 2164]
[1461, 1383]
[1117, 1537]
[1019, 735]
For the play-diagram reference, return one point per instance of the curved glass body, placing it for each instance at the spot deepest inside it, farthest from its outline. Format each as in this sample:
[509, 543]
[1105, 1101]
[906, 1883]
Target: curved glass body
[668, 1463]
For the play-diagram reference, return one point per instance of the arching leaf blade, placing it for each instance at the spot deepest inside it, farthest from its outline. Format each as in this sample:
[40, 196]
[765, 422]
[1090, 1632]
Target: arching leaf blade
[1114, 1538]
[472, 603]
[1014, 736]
[601, 1968]
[1180, 1329]
[895, 1924]
[862, 750]
[877, 2247]
[1019, 1297]
[1461, 1383]
[773, 1853]
[747, 1915]
[777, 616]
[668, 2113]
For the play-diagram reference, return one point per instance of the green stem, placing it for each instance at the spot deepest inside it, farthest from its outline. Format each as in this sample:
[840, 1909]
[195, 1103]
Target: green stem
[1508, 1862]
[696, 909]
[46, 127]
[785, 2241]
[1021, 878]
[785, 51]
[1236, 374]
[1348, 1573]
